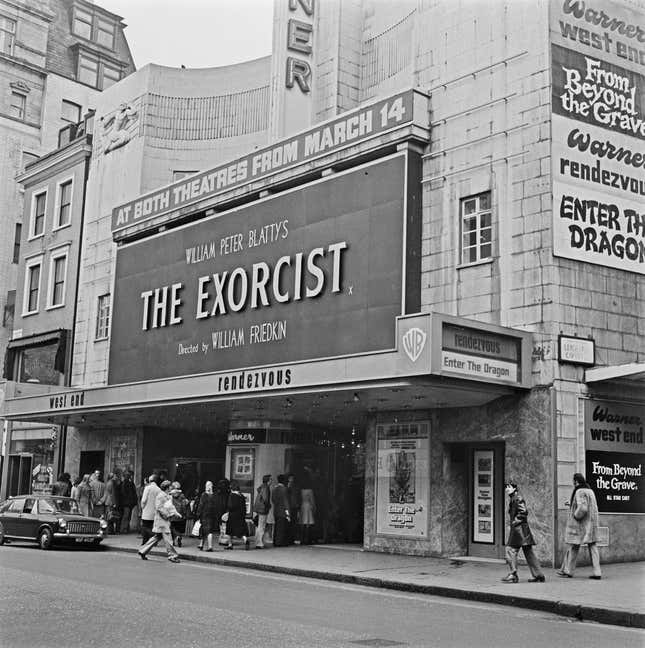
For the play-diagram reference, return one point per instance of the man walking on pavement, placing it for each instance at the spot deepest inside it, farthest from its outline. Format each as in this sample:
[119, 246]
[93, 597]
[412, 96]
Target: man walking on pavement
[261, 507]
[148, 509]
[165, 512]
[520, 537]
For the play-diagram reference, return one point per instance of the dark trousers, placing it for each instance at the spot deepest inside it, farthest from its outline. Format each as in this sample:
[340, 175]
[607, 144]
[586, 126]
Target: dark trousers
[281, 532]
[146, 530]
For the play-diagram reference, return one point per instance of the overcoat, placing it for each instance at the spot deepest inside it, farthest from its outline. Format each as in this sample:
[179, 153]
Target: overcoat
[236, 524]
[209, 512]
[582, 521]
[161, 524]
[520, 534]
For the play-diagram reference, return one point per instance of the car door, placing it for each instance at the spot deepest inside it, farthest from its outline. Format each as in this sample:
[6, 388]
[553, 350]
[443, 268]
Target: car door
[11, 517]
[29, 519]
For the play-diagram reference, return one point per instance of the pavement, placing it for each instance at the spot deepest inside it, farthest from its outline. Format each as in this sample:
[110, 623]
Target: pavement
[617, 599]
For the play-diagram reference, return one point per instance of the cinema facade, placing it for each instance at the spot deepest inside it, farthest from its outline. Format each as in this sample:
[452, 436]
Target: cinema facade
[405, 288]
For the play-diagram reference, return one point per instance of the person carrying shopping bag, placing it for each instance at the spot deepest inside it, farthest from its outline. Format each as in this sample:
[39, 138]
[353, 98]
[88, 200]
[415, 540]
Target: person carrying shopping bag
[165, 512]
[582, 528]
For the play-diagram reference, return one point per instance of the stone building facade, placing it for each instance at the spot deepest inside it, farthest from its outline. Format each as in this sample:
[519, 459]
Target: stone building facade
[504, 341]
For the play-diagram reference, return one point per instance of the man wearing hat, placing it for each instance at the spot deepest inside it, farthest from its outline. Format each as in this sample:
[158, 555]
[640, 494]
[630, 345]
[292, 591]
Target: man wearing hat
[261, 507]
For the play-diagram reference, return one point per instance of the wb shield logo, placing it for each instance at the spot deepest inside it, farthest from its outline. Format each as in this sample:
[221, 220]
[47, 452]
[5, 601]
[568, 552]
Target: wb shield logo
[413, 342]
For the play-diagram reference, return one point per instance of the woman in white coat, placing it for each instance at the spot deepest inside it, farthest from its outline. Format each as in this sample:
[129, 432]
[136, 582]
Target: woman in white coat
[582, 528]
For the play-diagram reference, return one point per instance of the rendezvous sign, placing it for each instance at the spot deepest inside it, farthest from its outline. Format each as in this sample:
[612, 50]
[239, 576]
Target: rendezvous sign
[480, 355]
[344, 131]
[314, 272]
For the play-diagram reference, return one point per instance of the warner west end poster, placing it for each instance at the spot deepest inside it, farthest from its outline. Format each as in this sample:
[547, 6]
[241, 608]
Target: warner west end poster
[615, 453]
[598, 101]
[309, 273]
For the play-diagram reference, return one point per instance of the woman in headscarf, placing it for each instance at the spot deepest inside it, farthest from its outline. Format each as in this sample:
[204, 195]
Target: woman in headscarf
[207, 514]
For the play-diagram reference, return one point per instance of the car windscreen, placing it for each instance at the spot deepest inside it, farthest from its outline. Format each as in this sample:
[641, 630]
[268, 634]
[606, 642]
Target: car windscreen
[58, 505]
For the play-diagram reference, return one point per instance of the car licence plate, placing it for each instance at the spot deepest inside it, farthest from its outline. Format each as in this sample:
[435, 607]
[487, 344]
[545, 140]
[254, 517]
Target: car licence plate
[84, 539]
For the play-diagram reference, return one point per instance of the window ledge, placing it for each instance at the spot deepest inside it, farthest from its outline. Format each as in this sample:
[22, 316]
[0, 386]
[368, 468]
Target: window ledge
[30, 313]
[101, 339]
[54, 307]
[61, 227]
[462, 266]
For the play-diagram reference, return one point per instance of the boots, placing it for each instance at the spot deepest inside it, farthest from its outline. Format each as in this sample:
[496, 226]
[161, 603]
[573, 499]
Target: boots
[209, 542]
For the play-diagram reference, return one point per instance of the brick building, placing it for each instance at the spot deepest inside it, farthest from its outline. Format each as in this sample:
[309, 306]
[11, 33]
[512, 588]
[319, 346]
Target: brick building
[409, 269]
[55, 58]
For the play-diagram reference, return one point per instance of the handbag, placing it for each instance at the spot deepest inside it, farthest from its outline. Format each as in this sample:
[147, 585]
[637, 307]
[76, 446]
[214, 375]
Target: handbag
[196, 530]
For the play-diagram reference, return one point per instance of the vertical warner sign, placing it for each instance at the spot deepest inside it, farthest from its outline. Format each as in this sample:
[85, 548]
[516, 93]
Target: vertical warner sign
[598, 100]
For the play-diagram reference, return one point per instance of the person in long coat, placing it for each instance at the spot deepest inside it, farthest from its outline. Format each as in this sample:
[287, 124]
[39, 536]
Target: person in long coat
[84, 495]
[236, 523]
[208, 513]
[307, 513]
[582, 528]
[281, 513]
[164, 513]
[520, 537]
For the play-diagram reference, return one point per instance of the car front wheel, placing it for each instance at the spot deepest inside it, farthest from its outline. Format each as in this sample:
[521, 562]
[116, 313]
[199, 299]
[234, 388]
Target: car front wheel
[45, 538]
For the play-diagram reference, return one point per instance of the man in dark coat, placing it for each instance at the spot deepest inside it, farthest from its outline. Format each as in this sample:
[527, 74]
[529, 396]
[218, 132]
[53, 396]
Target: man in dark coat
[280, 503]
[520, 537]
[128, 501]
[63, 486]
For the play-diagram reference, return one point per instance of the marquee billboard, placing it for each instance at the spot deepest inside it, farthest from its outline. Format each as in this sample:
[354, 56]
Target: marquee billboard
[313, 272]
[598, 135]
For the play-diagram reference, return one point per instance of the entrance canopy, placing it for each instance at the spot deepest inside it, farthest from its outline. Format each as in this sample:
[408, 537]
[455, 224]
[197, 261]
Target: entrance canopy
[439, 361]
[633, 373]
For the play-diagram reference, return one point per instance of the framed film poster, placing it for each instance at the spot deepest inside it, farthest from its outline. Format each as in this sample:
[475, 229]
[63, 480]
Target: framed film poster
[483, 496]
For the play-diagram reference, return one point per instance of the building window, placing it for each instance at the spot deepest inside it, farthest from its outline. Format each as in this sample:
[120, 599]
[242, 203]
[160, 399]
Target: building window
[105, 32]
[97, 74]
[39, 204]
[110, 76]
[57, 276]
[103, 317]
[64, 204]
[18, 105]
[7, 35]
[82, 23]
[32, 285]
[99, 29]
[476, 228]
[70, 112]
[88, 70]
[16, 242]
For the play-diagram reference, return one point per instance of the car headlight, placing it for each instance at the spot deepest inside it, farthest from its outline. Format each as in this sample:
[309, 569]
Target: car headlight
[103, 524]
[62, 523]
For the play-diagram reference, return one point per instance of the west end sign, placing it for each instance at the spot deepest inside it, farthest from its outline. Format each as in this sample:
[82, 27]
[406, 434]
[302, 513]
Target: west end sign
[313, 272]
